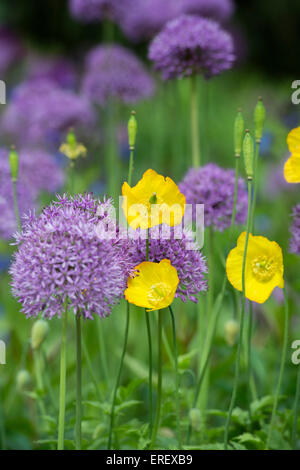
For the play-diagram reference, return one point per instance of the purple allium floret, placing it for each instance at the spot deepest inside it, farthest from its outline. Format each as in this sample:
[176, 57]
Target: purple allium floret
[40, 108]
[295, 231]
[213, 186]
[60, 255]
[191, 45]
[113, 72]
[219, 10]
[97, 10]
[179, 247]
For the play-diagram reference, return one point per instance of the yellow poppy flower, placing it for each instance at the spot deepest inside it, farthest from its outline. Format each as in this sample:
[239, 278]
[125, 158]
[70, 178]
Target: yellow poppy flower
[153, 201]
[154, 285]
[264, 267]
[292, 166]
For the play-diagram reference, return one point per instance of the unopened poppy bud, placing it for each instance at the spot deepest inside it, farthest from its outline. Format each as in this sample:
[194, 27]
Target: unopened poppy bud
[23, 380]
[238, 133]
[195, 418]
[39, 332]
[248, 152]
[231, 331]
[14, 164]
[132, 130]
[259, 119]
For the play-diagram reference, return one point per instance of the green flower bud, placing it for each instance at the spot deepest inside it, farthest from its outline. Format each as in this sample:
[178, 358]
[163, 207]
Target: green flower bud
[259, 119]
[23, 380]
[231, 331]
[14, 164]
[248, 151]
[238, 133]
[195, 418]
[132, 130]
[71, 138]
[39, 332]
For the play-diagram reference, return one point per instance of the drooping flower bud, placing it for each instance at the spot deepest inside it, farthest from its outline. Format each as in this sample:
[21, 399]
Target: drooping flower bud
[23, 380]
[132, 130]
[39, 332]
[248, 152]
[259, 119]
[238, 133]
[231, 331]
[14, 164]
[195, 418]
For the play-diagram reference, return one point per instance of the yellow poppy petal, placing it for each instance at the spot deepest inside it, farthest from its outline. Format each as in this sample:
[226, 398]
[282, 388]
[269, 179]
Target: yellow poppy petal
[292, 169]
[293, 140]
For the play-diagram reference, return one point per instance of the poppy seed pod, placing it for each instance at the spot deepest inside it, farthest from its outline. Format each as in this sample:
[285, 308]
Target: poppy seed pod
[238, 133]
[39, 333]
[248, 151]
[259, 119]
[14, 164]
[132, 130]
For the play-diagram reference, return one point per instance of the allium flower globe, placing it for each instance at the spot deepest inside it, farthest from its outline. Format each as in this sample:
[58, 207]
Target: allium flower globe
[183, 253]
[60, 254]
[146, 18]
[219, 10]
[295, 231]
[113, 72]
[97, 10]
[55, 68]
[11, 50]
[40, 109]
[191, 45]
[213, 186]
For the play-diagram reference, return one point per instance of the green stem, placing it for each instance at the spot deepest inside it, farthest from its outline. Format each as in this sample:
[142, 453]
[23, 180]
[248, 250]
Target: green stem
[78, 384]
[111, 156]
[296, 409]
[242, 320]
[150, 372]
[72, 177]
[112, 413]
[130, 170]
[210, 255]
[236, 180]
[255, 186]
[159, 381]
[195, 122]
[177, 378]
[16, 206]
[63, 373]
[251, 380]
[282, 365]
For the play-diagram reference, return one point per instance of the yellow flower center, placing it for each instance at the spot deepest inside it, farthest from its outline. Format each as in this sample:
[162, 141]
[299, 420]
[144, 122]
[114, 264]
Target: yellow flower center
[158, 293]
[264, 268]
[153, 199]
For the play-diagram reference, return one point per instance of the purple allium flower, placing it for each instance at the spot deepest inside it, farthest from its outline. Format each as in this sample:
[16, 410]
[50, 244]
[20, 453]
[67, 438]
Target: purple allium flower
[191, 45]
[114, 72]
[11, 49]
[60, 254]
[164, 243]
[213, 186]
[40, 109]
[97, 10]
[276, 183]
[219, 10]
[295, 231]
[57, 69]
[147, 17]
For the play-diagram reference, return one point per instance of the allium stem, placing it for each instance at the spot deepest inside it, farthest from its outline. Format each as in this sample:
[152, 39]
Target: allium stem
[176, 378]
[242, 321]
[16, 205]
[63, 373]
[159, 380]
[282, 365]
[78, 384]
[111, 155]
[72, 177]
[112, 413]
[296, 410]
[195, 122]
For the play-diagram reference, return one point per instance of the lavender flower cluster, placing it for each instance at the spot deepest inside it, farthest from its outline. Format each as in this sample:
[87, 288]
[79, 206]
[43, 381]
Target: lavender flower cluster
[113, 72]
[180, 248]
[213, 186]
[295, 231]
[40, 109]
[191, 45]
[60, 255]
